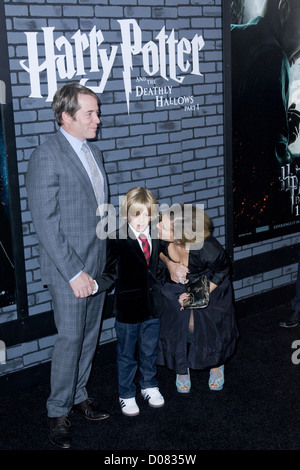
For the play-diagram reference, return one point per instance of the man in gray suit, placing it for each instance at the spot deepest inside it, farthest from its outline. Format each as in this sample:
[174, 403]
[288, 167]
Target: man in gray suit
[63, 200]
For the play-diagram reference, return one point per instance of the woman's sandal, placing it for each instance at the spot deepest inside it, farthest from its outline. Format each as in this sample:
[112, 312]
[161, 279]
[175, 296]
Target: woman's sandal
[216, 378]
[183, 382]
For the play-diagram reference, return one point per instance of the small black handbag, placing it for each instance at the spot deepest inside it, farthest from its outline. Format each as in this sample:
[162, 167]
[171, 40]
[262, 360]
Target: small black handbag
[198, 290]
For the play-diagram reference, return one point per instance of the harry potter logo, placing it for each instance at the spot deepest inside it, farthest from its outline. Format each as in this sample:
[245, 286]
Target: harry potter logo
[67, 59]
[290, 182]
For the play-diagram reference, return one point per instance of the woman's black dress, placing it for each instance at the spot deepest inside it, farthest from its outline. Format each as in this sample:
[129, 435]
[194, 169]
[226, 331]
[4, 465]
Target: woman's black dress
[215, 330]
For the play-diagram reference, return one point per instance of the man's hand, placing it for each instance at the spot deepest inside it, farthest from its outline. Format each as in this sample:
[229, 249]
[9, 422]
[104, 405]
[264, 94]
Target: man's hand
[82, 286]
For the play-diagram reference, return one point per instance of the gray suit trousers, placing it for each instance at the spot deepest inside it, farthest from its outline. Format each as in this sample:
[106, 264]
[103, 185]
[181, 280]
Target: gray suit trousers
[78, 325]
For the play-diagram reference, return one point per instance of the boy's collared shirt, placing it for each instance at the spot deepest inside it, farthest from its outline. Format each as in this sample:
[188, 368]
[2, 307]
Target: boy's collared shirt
[146, 232]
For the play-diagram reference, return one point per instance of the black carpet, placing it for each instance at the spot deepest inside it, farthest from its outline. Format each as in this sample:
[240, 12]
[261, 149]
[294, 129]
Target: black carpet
[258, 408]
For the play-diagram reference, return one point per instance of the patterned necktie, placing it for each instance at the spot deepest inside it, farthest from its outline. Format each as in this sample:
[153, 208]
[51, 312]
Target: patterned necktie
[95, 176]
[146, 247]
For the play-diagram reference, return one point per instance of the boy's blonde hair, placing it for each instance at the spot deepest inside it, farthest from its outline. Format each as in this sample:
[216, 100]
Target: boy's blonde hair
[136, 199]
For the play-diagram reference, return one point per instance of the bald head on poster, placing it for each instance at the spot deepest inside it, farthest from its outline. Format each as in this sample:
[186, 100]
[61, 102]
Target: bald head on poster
[284, 17]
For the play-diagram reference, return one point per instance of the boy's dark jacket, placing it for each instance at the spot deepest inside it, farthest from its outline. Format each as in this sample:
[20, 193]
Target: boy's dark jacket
[137, 293]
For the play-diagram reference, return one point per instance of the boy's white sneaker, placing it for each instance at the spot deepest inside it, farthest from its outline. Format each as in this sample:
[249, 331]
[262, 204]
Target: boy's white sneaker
[153, 396]
[129, 406]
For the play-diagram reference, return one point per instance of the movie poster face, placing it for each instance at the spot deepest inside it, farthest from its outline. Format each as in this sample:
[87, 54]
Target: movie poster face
[265, 77]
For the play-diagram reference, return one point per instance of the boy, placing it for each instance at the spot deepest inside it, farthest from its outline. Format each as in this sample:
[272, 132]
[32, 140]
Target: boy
[132, 268]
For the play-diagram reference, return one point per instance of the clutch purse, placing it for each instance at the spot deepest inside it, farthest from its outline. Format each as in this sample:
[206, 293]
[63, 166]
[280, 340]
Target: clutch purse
[198, 290]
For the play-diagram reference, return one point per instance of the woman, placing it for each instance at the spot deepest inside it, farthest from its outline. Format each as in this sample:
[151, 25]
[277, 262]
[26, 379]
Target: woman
[200, 338]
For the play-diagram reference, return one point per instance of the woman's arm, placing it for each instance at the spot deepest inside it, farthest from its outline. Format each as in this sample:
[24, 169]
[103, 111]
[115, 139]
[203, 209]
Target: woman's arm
[214, 258]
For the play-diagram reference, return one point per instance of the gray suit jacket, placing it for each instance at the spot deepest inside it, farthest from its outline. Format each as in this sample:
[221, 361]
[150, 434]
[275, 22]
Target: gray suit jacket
[63, 208]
